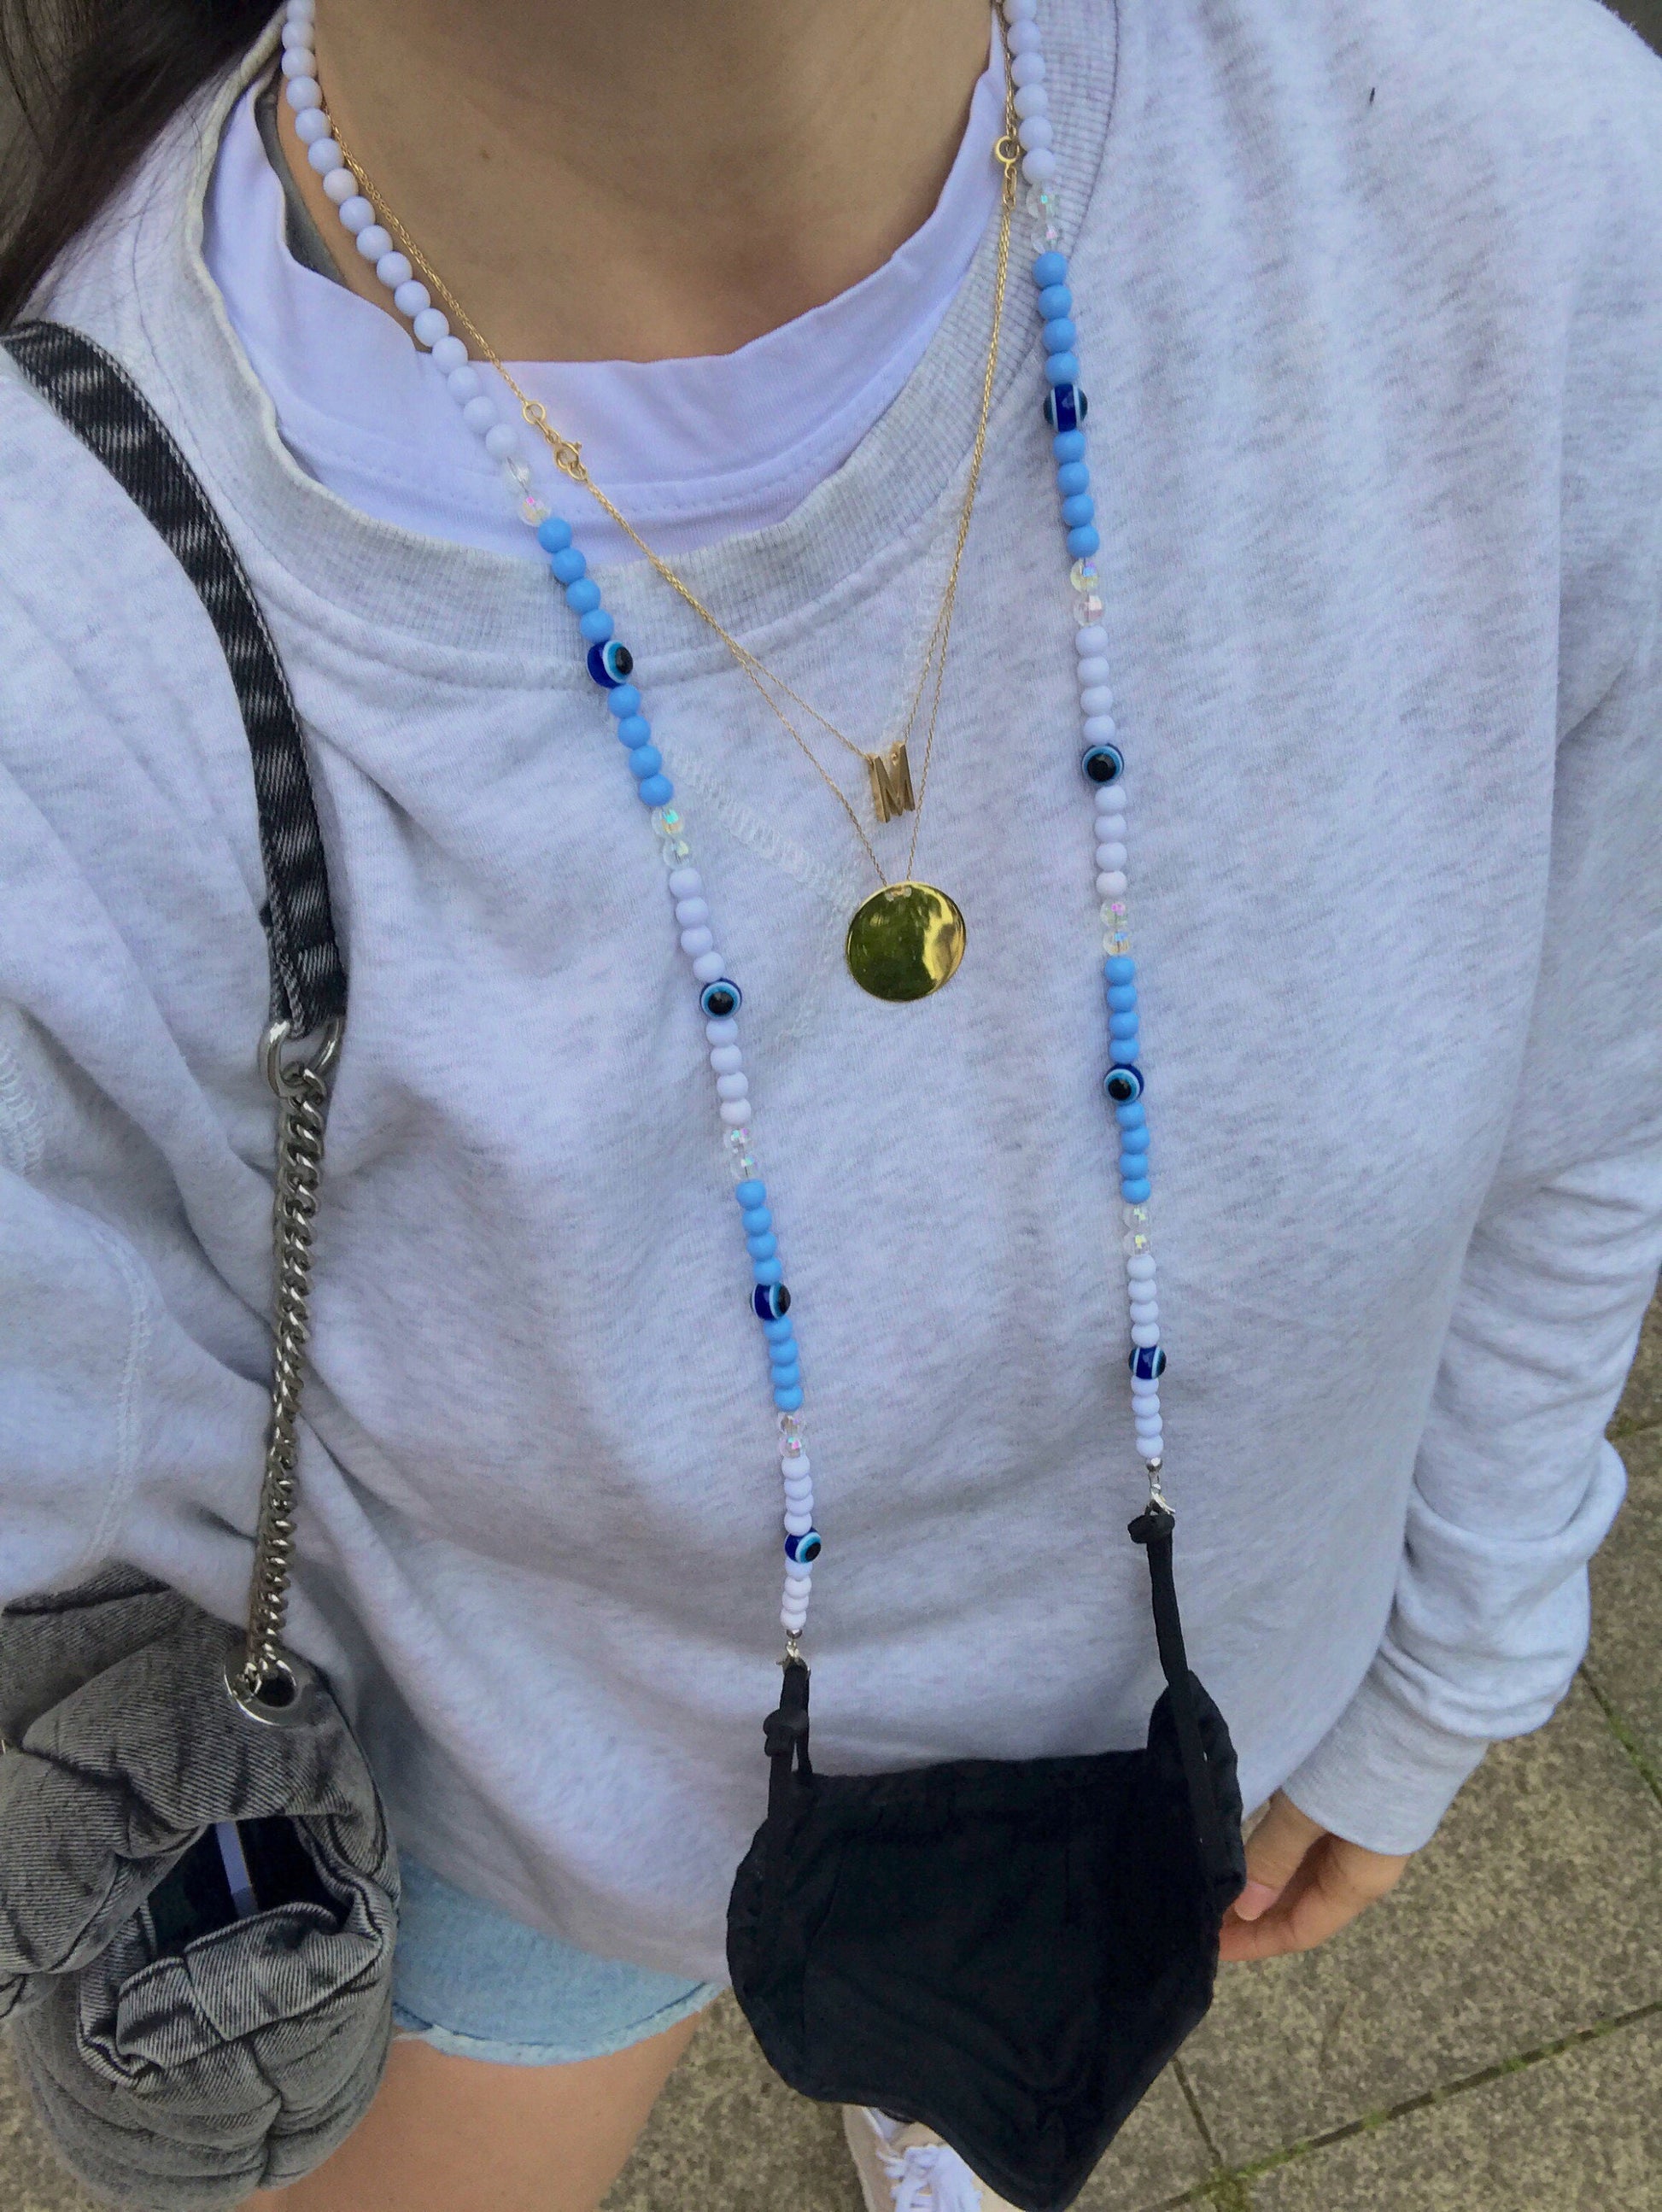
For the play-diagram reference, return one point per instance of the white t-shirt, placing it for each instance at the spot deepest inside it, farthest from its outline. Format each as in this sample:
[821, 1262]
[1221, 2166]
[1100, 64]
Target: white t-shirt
[692, 451]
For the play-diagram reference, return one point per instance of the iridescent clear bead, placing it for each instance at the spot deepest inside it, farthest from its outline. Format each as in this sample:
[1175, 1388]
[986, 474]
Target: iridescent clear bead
[1136, 1218]
[741, 1161]
[668, 821]
[1088, 610]
[1115, 944]
[518, 474]
[792, 1446]
[532, 511]
[1083, 576]
[790, 1425]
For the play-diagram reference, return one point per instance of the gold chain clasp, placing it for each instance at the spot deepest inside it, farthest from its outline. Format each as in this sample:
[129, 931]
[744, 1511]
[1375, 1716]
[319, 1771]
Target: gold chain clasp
[567, 453]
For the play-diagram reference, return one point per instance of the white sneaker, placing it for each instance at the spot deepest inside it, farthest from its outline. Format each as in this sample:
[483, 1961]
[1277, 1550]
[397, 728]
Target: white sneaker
[904, 2168]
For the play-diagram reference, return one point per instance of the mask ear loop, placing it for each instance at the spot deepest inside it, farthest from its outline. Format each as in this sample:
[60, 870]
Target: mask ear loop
[785, 1732]
[1153, 1530]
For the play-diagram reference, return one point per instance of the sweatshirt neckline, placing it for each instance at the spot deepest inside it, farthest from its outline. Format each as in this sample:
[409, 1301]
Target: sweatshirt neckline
[409, 594]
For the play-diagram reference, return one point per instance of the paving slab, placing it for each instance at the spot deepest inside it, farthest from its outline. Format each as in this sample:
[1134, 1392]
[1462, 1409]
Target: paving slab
[1642, 1401]
[1532, 1913]
[1624, 1658]
[31, 2178]
[727, 2133]
[1581, 2132]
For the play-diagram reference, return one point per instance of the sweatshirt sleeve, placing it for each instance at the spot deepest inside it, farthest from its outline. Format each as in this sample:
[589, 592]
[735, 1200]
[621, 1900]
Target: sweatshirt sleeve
[1514, 1484]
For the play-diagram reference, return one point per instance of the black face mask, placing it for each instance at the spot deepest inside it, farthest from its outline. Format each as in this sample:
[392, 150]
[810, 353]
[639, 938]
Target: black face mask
[1007, 1950]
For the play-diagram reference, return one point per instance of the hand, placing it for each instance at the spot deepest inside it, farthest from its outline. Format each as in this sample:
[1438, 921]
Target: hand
[1303, 1885]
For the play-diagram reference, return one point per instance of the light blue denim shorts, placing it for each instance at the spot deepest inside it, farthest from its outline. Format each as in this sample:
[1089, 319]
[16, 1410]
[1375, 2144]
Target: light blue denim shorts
[471, 1982]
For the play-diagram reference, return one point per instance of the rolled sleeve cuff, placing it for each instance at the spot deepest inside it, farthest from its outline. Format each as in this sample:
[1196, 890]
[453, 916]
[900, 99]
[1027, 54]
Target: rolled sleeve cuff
[1383, 1776]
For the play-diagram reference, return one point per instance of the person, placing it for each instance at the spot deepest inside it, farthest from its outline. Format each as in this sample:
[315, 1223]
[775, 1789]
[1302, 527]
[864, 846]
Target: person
[1367, 303]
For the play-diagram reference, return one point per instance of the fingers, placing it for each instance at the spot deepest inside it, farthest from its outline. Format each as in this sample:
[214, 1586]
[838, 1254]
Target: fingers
[1337, 1880]
[1274, 1852]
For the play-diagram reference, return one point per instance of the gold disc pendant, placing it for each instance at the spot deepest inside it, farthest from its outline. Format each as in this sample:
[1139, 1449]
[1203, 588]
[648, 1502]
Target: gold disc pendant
[905, 942]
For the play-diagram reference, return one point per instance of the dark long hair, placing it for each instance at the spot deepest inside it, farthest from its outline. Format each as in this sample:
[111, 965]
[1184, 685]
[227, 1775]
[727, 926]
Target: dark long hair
[97, 81]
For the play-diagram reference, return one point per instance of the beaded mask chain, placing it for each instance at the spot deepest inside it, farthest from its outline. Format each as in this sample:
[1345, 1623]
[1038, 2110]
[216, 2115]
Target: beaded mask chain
[611, 666]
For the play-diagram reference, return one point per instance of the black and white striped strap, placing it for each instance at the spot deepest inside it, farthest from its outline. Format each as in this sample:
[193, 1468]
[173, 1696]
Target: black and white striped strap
[104, 407]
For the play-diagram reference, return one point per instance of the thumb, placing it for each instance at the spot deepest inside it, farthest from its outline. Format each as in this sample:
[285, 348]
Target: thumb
[1274, 1852]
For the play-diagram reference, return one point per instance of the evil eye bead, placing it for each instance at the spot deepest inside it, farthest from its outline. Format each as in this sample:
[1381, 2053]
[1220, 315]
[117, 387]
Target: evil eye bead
[1102, 763]
[1066, 407]
[1147, 1362]
[610, 665]
[721, 998]
[1124, 1083]
[804, 1550]
[769, 1301]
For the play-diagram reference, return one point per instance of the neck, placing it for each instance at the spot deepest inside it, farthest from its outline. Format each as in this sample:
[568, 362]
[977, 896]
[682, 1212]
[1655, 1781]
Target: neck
[669, 178]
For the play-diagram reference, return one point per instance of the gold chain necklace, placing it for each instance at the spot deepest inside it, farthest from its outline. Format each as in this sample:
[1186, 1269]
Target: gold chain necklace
[908, 937]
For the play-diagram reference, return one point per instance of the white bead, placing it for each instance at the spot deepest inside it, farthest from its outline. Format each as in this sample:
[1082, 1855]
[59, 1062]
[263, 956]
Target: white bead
[1032, 100]
[393, 269]
[302, 11]
[792, 1618]
[1037, 131]
[1111, 797]
[735, 1112]
[685, 883]
[736, 1085]
[726, 1059]
[1038, 167]
[450, 354]
[503, 442]
[1141, 1269]
[1024, 38]
[794, 1469]
[688, 910]
[413, 299]
[1021, 11]
[800, 1493]
[798, 1524]
[696, 939]
[1111, 855]
[429, 325]
[373, 240]
[324, 154]
[297, 33]
[709, 967]
[357, 214]
[1028, 69]
[1144, 1309]
[1090, 641]
[1096, 699]
[480, 415]
[1144, 1338]
[1110, 826]
[299, 61]
[1092, 668]
[722, 1030]
[306, 98]
[1144, 1387]
[1111, 883]
[341, 185]
[462, 384]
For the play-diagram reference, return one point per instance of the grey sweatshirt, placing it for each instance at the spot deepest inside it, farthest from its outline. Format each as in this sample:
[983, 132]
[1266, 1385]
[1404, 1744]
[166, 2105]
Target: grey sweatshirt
[1371, 307]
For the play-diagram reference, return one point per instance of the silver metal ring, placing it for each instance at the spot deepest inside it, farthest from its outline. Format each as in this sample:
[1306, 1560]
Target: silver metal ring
[312, 1058]
[280, 1698]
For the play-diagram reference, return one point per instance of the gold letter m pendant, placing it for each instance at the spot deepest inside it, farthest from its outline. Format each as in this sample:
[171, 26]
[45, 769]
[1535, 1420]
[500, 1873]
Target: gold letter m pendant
[892, 783]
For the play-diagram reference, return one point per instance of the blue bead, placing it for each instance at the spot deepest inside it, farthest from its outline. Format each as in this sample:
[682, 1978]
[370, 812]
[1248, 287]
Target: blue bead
[1072, 477]
[583, 595]
[768, 1301]
[805, 1549]
[752, 1192]
[1132, 1140]
[757, 1220]
[1066, 406]
[1122, 997]
[554, 536]
[1061, 368]
[1054, 300]
[767, 1271]
[1134, 1169]
[721, 998]
[655, 791]
[645, 761]
[787, 1401]
[610, 663]
[1080, 508]
[1132, 1114]
[1051, 269]
[1119, 967]
[634, 730]
[622, 700]
[568, 564]
[1135, 1193]
[762, 1247]
[1147, 1362]
[597, 626]
[1120, 1025]
[1082, 543]
[1059, 335]
[1069, 445]
[784, 1352]
[1123, 1082]
[1102, 763]
[786, 1378]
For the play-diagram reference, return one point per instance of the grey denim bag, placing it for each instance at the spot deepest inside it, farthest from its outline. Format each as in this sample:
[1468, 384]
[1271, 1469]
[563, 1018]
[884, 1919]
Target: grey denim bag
[198, 1890]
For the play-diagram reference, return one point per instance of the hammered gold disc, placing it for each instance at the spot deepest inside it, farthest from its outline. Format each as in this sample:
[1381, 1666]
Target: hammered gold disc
[905, 942]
